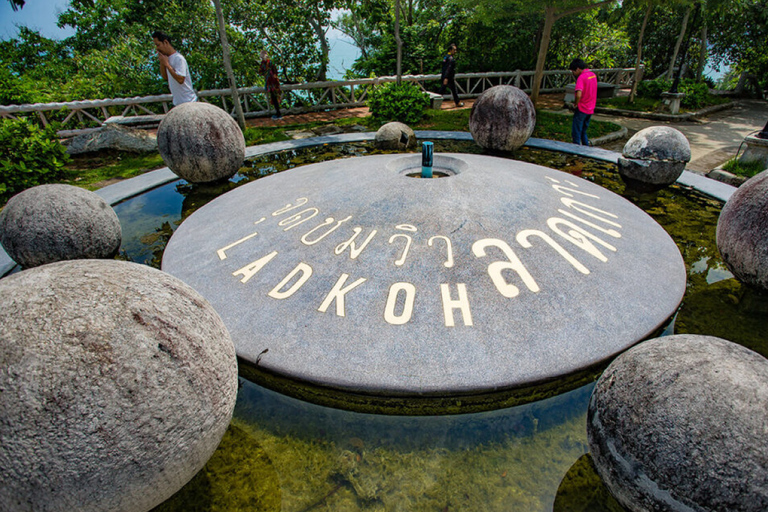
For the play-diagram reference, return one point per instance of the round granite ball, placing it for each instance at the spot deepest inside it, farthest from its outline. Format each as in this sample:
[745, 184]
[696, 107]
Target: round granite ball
[654, 156]
[742, 232]
[201, 143]
[502, 118]
[395, 135]
[51, 223]
[679, 424]
[117, 383]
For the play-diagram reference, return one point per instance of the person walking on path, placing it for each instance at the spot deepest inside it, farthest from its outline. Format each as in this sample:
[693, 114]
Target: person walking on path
[448, 75]
[271, 82]
[174, 69]
[586, 98]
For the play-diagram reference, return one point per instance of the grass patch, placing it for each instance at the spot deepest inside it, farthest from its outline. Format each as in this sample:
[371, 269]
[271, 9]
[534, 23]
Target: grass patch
[445, 120]
[96, 170]
[746, 169]
[652, 105]
[265, 135]
[558, 127]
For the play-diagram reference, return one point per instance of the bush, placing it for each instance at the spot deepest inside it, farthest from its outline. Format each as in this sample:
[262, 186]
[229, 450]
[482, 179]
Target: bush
[29, 156]
[653, 88]
[391, 102]
[696, 94]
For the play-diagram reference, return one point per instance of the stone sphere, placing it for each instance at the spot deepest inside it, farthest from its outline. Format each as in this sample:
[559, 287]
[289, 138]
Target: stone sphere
[502, 118]
[742, 232]
[118, 382]
[395, 135]
[201, 143]
[51, 223]
[654, 156]
[679, 424]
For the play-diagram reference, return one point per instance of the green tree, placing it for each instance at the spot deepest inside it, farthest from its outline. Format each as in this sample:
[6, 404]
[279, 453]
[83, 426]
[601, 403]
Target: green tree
[740, 29]
[647, 8]
[553, 10]
[592, 36]
[111, 53]
[426, 28]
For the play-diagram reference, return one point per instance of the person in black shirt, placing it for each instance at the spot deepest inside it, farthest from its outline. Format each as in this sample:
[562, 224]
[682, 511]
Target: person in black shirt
[448, 75]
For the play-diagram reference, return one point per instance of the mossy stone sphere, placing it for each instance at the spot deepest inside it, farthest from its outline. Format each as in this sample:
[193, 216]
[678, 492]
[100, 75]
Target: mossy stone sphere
[395, 135]
[742, 232]
[117, 384]
[502, 118]
[51, 223]
[201, 143]
[655, 156]
[679, 424]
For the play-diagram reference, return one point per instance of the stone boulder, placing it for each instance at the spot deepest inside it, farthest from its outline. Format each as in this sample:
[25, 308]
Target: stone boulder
[502, 118]
[678, 424]
[395, 135]
[51, 223]
[118, 382]
[742, 232]
[113, 136]
[654, 157]
[201, 143]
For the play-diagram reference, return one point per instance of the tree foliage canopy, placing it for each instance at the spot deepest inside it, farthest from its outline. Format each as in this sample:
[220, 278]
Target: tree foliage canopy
[111, 53]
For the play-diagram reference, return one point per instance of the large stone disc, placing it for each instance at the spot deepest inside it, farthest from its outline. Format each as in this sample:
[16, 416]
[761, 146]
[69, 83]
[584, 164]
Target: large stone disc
[351, 276]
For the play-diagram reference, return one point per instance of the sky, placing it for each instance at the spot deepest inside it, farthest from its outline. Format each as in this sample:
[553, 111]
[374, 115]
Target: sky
[36, 14]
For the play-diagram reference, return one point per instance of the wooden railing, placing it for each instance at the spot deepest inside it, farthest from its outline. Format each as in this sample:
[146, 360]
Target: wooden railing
[79, 116]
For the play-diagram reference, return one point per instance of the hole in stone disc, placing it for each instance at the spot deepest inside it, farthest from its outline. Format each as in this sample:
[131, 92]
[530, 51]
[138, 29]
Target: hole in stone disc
[435, 174]
[443, 166]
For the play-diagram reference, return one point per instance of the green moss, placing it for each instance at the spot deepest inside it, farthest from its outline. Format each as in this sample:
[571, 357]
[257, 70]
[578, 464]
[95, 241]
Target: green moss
[582, 490]
[97, 170]
[239, 477]
[341, 468]
[727, 309]
[746, 169]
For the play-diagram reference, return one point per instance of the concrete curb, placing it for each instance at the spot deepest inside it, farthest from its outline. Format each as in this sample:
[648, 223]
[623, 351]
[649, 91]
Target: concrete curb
[118, 192]
[610, 137]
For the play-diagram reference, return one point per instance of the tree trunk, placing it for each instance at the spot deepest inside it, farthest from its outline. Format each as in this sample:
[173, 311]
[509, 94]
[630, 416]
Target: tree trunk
[639, 61]
[546, 36]
[228, 64]
[399, 43]
[671, 71]
[324, 50]
[702, 52]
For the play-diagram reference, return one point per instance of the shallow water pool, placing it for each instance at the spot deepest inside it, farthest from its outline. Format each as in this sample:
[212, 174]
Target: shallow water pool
[284, 454]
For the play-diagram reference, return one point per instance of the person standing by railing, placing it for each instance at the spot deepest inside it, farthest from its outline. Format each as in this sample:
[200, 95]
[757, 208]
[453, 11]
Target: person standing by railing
[448, 74]
[174, 69]
[271, 82]
[585, 101]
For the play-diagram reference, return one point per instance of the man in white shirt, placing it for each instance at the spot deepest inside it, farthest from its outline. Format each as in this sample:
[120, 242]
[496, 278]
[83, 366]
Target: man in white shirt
[174, 69]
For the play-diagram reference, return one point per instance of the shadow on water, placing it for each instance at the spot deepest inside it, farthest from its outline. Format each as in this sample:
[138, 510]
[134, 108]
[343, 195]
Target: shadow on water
[284, 454]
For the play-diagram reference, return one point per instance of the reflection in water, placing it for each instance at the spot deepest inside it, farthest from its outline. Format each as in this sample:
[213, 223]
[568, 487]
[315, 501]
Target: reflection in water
[582, 490]
[284, 454]
[328, 459]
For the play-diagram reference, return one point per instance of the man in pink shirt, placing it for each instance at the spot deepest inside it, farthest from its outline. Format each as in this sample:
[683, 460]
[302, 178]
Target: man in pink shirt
[586, 97]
